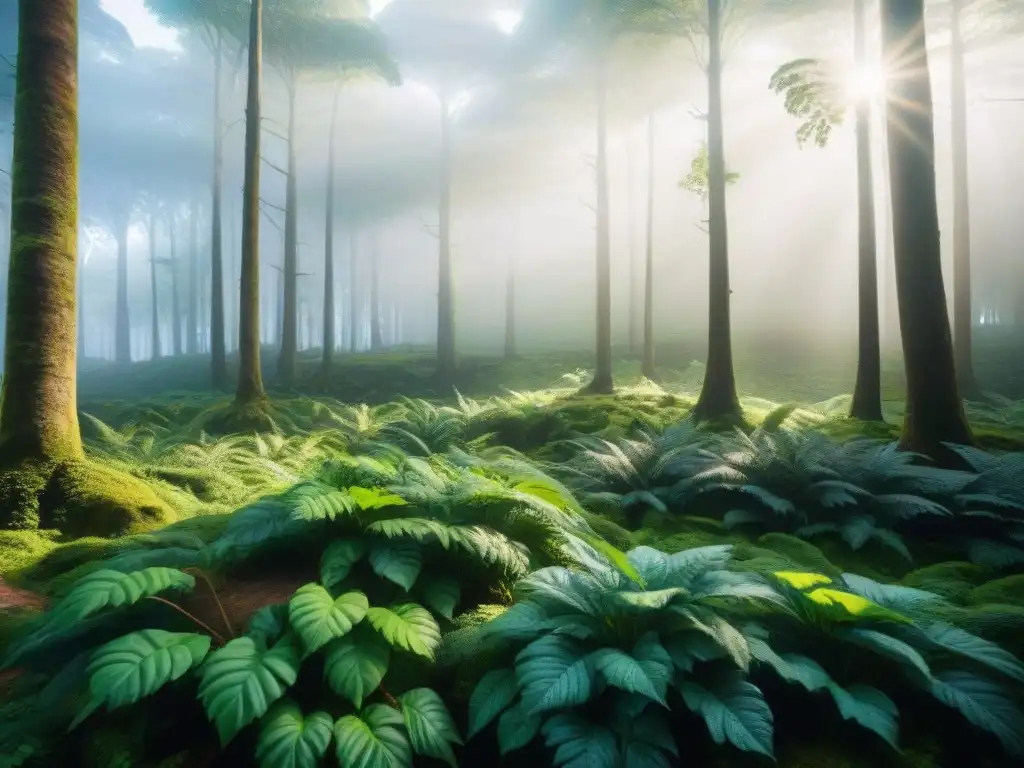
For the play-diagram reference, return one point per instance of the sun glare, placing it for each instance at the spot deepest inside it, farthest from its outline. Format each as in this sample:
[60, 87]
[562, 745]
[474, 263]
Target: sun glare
[507, 20]
[866, 83]
[143, 28]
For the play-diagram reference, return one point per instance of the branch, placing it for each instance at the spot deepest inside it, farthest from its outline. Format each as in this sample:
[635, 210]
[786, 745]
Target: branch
[7, 61]
[272, 205]
[226, 128]
[585, 204]
[275, 134]
[280, 170]
[432, 229]
[271, 219]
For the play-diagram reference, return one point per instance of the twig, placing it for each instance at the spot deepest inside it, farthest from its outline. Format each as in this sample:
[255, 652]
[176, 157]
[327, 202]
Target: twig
[275, 167]
[7, 61]
[216, 635]
[272, 205]
[223, 614]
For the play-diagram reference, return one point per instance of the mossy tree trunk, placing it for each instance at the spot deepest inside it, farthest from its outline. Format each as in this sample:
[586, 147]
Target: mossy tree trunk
[289, 321]
[122, 319]
[718, 400]
[327, 360]
[218, 356]
[648, 367]
[934, 410]
[446, 361]
[155, 351]
[38, 417]
[192, 323]
[867, 391]
[250, 379]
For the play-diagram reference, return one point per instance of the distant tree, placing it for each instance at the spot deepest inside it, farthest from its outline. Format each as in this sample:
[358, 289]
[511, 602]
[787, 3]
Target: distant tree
[510, 306]
[648, 367]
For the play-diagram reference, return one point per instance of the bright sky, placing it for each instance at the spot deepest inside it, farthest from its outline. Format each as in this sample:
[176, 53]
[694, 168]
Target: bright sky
[145, 30]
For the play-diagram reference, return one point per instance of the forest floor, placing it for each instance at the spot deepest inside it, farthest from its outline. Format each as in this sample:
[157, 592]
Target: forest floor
[152, 422]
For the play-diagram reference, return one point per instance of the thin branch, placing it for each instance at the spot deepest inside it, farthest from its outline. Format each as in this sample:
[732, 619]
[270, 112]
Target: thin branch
[228, 127]
[271, 219]
[272, 205]
[223, 614]
[275, 134]
[216, 635]
[277, 168]
[7, 61]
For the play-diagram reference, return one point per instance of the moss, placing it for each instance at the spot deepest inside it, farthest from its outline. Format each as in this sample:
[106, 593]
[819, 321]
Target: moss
[207, 527]
[20, 489]
[202, 483]
[1007, 591]
[256, 416]
[22, 549]
[66, 557]
[953, 580]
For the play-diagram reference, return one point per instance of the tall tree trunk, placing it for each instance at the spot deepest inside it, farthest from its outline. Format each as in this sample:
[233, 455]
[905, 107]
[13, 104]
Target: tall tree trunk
[122, 320]
[250, 378]
[648, 364]
[510, 306]
[353, 303]
[634, 267]
[218, 361]
[962, 313]
[175, 292]
[867, 391]
[376, 342]
[155, 303]
[38, 416]
[289, 321]
[603, 382]
[231, 307]
[329, 333]
[445, 288]
[81, 308]
[934, 411]
[192, 329]
[718, 399]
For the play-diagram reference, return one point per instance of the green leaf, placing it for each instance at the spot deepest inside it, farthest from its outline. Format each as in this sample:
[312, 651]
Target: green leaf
[105, 588]
[318, 618]
[397, 561]
[491, 547]
[580, 743]
[495, 691]
[647, 741]
[522, 621]
[373, 739]
[268, 624]
[408, 626]
[289, 740]
[553, 675]
[135, 666]
[735, 711]
[375, 498]
[338, 559]
[869, 707]
[983, 651]
[441, 594]
[419, 528]
[240, 681]
[356, 664]
[791, 667]
[985, 704]
[310, 501]
[621, 670]
[890, 647]
[516, 728]
[431, 728]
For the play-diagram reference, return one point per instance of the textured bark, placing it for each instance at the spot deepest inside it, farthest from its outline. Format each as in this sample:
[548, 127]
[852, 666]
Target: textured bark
[718, 399]
[290, 318]
[329, 332]
[122, 319]
[154, 332]
[192, 324]
[80, 302]
[218, 357]
[510, 307]
[250, 379]
[38, 417]
[376, 340]
[648, 368]
[603, 382]
[867, 391]
[934, 410]
[962, 312]
[445, 289]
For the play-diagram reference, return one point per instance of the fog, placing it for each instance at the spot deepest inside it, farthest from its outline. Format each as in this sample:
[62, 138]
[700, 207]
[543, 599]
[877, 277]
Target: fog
[523, 184]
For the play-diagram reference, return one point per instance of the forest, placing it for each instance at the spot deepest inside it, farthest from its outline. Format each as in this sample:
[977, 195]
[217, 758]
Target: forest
[571, 383]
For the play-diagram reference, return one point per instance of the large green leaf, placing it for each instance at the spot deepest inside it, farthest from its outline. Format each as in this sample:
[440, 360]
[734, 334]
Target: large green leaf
[621, 670]
[397, 561]
[869, 707]
[491, 548]
[441, 594]
[646, 740]
[104, 588]
[268, 624]
[373, 739]
[553, 674]
[889, 646]
[655, 662]
[289, 740]
[310, 501]
[431, 728]
[735, 711]
[579, 742]
[319, 618]
[985, 704]
[408, 626]
[132, 667]
[374, 498]
[355, 665]
[492, 695]
[240, 681]
[961, 642]
[516, 728]
[792, 667]
[338, 559]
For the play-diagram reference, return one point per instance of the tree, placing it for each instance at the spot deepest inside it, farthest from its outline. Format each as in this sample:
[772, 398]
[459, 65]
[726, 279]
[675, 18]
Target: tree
[648, 367]
[934, 411]
[817, 93]
[510, 306]
[327, 360]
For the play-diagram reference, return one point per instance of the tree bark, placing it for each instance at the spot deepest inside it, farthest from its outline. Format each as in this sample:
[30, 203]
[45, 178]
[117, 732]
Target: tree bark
[603, 382]
[329, 333]
[648, 368]
[218, 357]
[38, 416]
[867, 391]
[155, 352]
[934, 410]
[376, 340]
[445, 289]
[122, 319]
[250, 378]
[289, 321]
[718, 399]
[510, 306]
[962, 312]
[175, 293]
[192, 325]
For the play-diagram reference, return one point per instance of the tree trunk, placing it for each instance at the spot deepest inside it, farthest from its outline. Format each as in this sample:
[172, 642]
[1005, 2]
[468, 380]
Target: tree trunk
[175, 293]
[250, 378]
[648, 364]
[934, 411]
[962, 313]
[329, 334]
[353, 304]
[445, 289]
[192, 329]
[634, 268]
[718, 400]
[38, 416]
[122, 320]
[289, 321]
[231, 296]
[510, 306]
[376, 342]
[867, 391]
[603, 382]
[81, 307]
[155, 303]
[218, 361]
